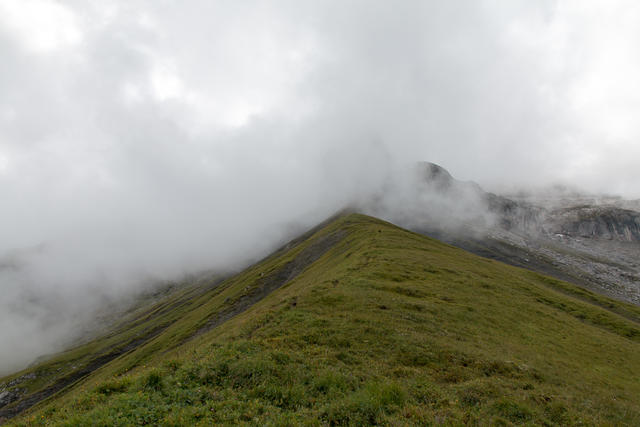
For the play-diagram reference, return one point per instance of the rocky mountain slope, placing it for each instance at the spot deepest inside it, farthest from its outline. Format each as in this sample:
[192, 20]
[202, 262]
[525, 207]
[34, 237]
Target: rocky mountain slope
[596, 245]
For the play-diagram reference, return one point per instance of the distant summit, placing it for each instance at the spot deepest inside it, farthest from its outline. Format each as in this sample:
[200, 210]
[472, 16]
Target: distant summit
[590, 240]
[435, 173]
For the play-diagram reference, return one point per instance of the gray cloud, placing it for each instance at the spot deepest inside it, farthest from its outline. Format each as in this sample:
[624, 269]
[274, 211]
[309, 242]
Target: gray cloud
[148, 139]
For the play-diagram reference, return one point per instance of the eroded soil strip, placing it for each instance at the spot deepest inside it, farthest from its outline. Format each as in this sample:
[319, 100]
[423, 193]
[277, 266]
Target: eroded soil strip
[38, 396]
[276, 280]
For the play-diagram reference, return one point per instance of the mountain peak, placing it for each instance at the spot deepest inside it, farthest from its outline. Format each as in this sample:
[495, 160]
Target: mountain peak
[357, 322]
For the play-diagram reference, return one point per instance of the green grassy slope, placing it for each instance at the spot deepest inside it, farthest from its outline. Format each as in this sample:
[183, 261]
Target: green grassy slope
[143, 322]
[363, 322]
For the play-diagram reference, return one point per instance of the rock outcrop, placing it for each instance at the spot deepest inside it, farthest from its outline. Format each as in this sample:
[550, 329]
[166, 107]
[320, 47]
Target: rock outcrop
[593, 245]
[597, 222]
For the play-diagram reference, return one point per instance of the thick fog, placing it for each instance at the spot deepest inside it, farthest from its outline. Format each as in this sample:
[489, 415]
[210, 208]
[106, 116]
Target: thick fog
[143, 140]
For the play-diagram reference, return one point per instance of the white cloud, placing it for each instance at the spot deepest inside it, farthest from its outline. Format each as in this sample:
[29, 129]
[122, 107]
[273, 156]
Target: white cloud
[151, 138]
[41, 25]
[4, 163]
[166, 83]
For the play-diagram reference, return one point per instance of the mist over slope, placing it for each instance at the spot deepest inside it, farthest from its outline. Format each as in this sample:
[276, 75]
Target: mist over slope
[595, 246]
[356, 321]
[141, 141]
[590, 240]
[54, 291]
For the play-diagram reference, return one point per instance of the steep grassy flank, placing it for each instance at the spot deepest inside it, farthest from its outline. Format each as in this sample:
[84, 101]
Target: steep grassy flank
[144, 322]
[363, 323]
[183, 313]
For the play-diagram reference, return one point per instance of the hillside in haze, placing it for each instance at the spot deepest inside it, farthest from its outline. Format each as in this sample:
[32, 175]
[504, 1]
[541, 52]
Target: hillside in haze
[355, 322]
[592, 241]
[217, 213]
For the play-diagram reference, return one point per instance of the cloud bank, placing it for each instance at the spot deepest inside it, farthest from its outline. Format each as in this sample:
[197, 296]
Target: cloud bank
[143, 140]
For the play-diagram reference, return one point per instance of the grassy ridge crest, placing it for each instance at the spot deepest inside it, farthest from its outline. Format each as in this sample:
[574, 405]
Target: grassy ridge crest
[362, 322]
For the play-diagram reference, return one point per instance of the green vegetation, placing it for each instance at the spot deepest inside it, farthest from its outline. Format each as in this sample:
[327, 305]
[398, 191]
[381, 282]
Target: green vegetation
[372, 325]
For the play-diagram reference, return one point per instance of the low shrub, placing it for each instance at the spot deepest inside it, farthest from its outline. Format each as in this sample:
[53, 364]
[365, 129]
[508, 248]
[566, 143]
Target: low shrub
[119, 385]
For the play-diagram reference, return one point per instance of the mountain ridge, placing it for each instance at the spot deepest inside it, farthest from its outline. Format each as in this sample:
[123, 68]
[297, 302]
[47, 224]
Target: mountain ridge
[594, 246]
[381, 325]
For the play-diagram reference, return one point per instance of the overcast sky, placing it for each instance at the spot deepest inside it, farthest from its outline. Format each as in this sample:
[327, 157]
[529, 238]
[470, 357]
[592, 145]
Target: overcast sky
[146, 138]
